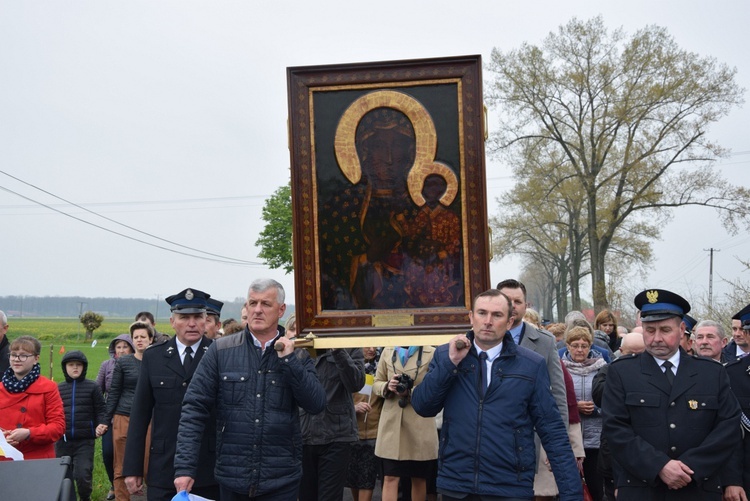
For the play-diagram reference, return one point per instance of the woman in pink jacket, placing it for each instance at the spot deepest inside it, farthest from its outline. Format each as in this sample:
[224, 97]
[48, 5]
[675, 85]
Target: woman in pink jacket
[31, 410]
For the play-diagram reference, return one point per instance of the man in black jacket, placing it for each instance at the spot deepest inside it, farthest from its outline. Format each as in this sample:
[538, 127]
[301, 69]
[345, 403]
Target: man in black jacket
[736, 474]
[166, 372]
[670, 419]
[4, 344]
[327, 437]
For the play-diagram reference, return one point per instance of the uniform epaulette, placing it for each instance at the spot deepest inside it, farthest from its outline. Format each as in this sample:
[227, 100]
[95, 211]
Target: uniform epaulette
[734, 362]
[631, 356]
[704, 359]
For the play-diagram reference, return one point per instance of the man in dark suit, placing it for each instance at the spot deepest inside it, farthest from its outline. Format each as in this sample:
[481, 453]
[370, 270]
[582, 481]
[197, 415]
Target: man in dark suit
[670, 419]
[166, 372]
[538, 341]
[543, 343]
[737, 472]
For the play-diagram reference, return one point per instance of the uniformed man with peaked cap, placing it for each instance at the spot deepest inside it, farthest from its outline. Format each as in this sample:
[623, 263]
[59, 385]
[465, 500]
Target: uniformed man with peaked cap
[687, 337]
[740, 345]
[744, 317]
[737, 471]
[166, 372]
[670, 418]
[213, 317]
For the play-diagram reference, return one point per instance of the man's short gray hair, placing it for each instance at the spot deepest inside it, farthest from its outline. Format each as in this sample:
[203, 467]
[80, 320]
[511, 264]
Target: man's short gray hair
[3, 319]
[710, 323]
[263, 284]
[572, 316]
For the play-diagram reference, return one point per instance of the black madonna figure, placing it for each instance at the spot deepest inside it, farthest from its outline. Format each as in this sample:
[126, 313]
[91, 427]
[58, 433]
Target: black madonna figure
[370, 230]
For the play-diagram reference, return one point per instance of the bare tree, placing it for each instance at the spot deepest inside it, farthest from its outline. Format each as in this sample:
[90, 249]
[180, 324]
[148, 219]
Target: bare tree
[629, 116]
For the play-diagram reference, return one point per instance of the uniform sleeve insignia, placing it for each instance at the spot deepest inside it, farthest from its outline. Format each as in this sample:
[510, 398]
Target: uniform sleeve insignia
[693, 404]
[652, 296]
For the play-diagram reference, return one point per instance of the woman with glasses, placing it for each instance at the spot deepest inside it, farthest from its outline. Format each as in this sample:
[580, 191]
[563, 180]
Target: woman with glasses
[31, 410]
[583, 364]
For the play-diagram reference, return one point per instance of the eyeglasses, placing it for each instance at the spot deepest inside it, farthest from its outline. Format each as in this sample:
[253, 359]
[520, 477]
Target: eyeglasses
[21, 357]
[579, 346]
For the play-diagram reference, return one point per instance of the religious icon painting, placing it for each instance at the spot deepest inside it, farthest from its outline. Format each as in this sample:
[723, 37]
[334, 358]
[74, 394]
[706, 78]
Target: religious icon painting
[388, 196]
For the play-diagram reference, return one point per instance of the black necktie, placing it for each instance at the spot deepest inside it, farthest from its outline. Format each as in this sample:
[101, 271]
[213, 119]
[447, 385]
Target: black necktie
[668, 372]
[482, 373]
[187, 362]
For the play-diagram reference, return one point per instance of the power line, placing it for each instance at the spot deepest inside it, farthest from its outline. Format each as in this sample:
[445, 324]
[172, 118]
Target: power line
[134, 211]
[153, 202]
[238, 261]
[235, 262]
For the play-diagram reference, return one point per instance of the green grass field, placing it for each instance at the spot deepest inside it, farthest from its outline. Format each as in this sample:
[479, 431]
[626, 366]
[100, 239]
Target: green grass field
[55, 333]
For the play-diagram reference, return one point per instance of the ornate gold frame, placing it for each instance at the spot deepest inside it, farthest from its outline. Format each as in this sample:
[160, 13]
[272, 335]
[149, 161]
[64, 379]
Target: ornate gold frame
[326, 104]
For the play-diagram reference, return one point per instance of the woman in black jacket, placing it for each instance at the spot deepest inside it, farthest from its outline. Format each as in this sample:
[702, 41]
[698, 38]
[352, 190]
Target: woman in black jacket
[120, 398]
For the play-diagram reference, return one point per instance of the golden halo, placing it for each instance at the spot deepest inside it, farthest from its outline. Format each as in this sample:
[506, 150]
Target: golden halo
[416, 178]
[426, 142]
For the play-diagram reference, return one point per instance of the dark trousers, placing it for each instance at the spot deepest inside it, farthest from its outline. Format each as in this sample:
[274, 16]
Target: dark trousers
[286, 494]
[609, 488]
[157, 493]
[690, 492]
[108, 455]
[478, 497]
[324, 471]
[594, 479]
[81, 453]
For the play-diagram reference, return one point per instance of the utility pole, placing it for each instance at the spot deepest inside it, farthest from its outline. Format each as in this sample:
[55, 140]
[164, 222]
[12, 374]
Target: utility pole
[711, 277]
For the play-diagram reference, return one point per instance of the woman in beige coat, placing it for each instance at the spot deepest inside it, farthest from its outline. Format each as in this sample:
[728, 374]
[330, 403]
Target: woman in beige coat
[407, 443]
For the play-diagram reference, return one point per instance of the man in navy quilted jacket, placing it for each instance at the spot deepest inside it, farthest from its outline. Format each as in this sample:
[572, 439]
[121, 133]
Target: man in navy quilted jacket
[494, 395]
[256, 392]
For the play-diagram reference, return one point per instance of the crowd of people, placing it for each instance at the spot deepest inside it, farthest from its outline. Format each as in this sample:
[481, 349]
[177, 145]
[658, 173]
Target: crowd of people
[511, 410]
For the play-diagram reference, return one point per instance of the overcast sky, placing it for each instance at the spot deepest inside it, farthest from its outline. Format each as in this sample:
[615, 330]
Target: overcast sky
[170, 117]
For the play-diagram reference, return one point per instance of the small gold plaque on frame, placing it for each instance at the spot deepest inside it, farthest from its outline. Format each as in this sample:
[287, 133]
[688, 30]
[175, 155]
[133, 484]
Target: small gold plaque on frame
[393, 320]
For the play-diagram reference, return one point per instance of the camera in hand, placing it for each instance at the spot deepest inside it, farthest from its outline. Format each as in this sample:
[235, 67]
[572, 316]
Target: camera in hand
[405, 383]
